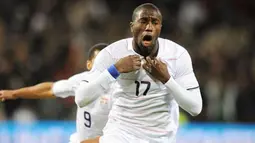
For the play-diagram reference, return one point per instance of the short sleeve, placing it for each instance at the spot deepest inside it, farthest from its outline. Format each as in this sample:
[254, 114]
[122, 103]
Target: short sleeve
[63, 89]
[184, 72]
[66, 88]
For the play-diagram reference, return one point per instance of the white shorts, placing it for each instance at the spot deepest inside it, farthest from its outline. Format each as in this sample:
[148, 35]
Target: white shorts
[74, 138]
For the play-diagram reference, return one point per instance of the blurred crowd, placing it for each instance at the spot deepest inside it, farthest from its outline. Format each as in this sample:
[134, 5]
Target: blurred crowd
[48, 40]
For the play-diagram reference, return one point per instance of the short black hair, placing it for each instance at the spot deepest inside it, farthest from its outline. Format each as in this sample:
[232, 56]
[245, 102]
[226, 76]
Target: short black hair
[145, 6]
[96, 47]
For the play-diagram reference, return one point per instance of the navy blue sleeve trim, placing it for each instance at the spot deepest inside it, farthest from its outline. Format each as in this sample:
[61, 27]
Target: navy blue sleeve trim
[193, 88]
[85, 81]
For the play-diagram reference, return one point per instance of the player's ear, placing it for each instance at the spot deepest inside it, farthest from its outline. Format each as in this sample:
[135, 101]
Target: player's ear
[89, 65]
[131, 24]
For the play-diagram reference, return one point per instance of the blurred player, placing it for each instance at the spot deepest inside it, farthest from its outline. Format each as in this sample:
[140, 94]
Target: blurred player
[147, 100]
[90, 119]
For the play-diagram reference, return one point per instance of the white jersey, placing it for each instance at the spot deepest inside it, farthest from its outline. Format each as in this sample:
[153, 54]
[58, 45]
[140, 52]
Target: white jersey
[91, 119]
[143, 106]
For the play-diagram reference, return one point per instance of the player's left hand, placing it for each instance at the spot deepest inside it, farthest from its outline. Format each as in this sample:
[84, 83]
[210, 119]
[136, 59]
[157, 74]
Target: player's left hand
[157, 69]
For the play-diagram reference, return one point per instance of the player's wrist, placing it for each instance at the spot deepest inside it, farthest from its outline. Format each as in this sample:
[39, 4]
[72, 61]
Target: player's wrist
[13, 94]
[113, 71]
[118, 67]
[166, 79]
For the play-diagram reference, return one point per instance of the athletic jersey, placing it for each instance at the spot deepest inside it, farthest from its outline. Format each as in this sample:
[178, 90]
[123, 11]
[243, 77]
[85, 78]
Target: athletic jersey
[91, 119]
[143, 106]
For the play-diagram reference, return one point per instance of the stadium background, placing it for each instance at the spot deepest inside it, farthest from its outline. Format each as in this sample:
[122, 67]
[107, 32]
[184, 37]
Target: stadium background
[48, 40]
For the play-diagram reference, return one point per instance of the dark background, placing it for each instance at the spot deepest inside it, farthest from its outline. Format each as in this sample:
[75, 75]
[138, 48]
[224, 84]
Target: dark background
[48, 40]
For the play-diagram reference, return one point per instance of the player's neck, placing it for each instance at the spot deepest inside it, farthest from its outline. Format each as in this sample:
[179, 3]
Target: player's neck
[152, 54]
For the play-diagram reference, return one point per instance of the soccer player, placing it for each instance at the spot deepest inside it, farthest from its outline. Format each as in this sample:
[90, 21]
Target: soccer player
[90, 119]
[147, 100]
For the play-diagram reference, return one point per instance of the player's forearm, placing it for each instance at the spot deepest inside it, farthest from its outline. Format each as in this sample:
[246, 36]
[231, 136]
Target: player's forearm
[38, 91]
[189, 100]
[90, 91]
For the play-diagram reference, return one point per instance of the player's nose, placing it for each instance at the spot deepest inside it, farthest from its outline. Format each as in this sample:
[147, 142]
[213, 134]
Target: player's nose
[149, 27]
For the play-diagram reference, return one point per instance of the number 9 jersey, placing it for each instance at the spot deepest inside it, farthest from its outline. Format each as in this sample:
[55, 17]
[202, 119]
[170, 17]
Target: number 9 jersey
[91, 119]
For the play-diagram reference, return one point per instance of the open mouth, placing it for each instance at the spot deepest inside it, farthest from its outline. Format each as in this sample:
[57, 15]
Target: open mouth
[147, 38]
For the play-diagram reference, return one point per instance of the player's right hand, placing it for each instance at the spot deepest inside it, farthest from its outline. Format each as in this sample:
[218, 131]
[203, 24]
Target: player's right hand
[7, 95]
[128, 64]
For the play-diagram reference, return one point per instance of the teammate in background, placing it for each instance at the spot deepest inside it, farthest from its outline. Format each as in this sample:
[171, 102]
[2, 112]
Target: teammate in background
[90, 119]
[147, 99]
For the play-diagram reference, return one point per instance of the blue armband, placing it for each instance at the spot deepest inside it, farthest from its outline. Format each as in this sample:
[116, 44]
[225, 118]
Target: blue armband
[113, 71]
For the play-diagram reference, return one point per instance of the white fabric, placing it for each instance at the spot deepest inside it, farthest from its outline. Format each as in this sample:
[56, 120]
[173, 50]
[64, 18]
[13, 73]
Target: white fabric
[143, 105]
[184, 74]
[183, 79]
[190, 101]
[66, 88]
[116, 133]
[90, 119]
[89, 92]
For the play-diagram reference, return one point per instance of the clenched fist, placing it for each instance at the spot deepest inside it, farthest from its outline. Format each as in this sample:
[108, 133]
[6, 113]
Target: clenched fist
[128, 64]
[157, 69]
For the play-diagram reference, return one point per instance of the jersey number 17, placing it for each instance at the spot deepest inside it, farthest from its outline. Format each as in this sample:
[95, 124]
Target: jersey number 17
[141, 83]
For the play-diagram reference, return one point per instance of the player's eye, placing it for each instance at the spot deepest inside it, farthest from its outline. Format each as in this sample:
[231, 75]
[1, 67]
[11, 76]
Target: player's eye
[155, 22]
[143, 21]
